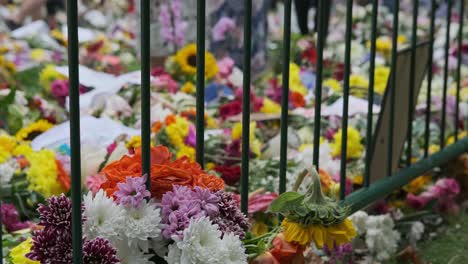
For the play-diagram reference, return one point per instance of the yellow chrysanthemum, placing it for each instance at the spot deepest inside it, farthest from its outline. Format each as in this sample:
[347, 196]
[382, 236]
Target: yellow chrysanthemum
[355, 147]
[48, 75]
[186, 58]
[416, 185]
[356, 80]
[37, 54]
[186, 151]
[177, 131]
[381, 75]
[332, 84]
[7, 142]
[42, 173]
[31, 131]
[337, 234]
[189, 88]
[451, 139]
[18, 253]
[270, 107]
[22, 150]
[4, 155]
[210, 122]
[135, 142]
[295, 83]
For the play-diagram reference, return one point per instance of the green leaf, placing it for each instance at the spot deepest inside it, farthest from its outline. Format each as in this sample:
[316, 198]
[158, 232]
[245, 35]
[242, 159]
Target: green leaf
[285, 200]
[9, 99]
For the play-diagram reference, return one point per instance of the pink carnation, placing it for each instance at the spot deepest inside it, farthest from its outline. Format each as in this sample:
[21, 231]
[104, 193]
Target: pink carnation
[94, 182]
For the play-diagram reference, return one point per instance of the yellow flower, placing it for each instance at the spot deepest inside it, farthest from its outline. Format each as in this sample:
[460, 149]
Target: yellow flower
[337, 234]
[33, 130]
[332, 84]
[381, 75]
[57, 35]
[358, 180]
[186, 58]
[4, 155]
[7, 142]
[22, 150]
[37, 54]
[305, 146]
[210, 122]
[295, 83]
[177, 131]
[18, 253]
[42, 173]
[135, 142]
[401, 39]
[358, 81]
[451, 139]
[48, 75]
[433, 148]
[416, 185]
[8, 65]
[259, 228]
[256, 147]
[189, 88]
[186, 151]
[270, 107]
[210, 166]
[355, 147]
[236, 132]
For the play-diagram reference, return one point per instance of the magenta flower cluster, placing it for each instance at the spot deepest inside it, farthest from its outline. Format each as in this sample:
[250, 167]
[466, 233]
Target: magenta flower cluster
[173, 27]
[53, 243]
[11, 219]
[444, 191]
[183, 204]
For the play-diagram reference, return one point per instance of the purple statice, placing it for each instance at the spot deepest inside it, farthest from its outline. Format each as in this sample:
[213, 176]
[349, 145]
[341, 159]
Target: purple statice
[11, 219]
[230, 218]
[133, 192]
[99, 250]
[339, 254]
[57, 214]
[190, 140]
[207, 200]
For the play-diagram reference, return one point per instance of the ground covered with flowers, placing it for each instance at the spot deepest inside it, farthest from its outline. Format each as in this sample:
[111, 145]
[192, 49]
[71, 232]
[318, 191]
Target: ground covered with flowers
[192, 213]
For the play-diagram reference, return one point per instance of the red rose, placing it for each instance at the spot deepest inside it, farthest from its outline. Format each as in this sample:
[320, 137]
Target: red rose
[230, 109]
[230, 174]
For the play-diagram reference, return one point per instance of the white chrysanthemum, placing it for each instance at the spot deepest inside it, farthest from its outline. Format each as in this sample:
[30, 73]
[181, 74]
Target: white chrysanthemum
[381, 238]
[141, 224]
[235, 250]
[129, 255]
[359, 221]
[417, 229]
[201, 243]
[7, 170]
[104, 217]
[160, 245]
[173, 255]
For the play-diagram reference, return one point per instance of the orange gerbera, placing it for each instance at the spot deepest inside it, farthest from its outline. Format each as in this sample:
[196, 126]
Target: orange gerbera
[62, 176]
[164, 172]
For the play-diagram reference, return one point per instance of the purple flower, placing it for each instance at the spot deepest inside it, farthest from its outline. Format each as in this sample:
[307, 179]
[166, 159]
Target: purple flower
[11, 219]
[230, 218]
[207, 200]
[179, 220]
[190, 140]
[173, 201]
[51, 246]
[99, 250]
[339, 254]
[59, 88]
[173, 27]
[132, 192]
[57, 214]
[222, 27]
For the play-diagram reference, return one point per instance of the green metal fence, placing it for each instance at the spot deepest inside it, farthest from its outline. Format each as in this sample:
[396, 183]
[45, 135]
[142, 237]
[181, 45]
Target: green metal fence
[357, 200]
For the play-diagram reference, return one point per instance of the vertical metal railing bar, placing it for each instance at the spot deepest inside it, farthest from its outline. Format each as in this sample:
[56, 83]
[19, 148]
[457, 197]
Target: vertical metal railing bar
[246, 106]
[344, 121]
[1, 232]
[318, 85]
[459, 59]
[414, 39]
[145, 91]
[200, 103]
[427, 132]
[73, 78]
[393, 85]
[375, 11]
[285, 96]
[444, 95]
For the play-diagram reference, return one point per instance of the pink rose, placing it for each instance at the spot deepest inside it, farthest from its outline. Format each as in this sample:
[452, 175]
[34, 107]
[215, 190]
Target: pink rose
[94, 182]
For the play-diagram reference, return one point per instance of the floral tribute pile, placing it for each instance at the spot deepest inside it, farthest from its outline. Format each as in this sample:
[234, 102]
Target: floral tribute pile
[191, 213]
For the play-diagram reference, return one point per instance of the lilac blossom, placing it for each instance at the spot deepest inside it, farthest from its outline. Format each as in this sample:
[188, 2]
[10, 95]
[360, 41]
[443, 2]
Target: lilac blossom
[173, 27]
[222, 27]
[133, 192]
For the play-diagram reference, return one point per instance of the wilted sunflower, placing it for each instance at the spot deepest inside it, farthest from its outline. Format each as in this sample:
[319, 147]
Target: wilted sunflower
[186, 58]
[313, 217]
[33, 130]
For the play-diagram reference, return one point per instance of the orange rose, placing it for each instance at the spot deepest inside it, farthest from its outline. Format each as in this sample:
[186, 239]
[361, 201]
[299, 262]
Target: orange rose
[286, 252]
[265, 258]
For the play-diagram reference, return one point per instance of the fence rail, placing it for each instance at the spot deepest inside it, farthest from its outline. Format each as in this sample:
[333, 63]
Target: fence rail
[357, 200]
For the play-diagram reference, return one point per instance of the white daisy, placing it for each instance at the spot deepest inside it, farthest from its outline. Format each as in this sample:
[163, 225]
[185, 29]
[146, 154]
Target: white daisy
[141, 224]
[104, 217]
[235, 251]
[201, 243]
